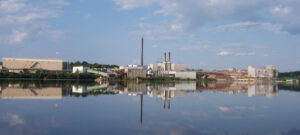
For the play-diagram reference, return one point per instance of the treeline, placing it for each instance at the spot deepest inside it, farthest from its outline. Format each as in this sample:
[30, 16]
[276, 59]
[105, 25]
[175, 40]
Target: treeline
[295, 74]
[94, 65]
[49, 75]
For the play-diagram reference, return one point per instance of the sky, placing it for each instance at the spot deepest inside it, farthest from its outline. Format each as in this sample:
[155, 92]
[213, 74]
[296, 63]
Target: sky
[204, 34]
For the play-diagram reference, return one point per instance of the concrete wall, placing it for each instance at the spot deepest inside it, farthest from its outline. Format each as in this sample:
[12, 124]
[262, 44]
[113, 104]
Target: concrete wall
[14, 64]
[185, 75]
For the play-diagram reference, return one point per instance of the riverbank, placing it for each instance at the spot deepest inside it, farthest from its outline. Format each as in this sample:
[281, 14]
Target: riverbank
[166, 79]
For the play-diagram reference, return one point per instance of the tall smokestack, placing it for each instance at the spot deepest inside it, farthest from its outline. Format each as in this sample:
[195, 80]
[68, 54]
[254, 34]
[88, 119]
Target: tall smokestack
[165, 57]
[165, 61]
[169, 57]
[142, 53]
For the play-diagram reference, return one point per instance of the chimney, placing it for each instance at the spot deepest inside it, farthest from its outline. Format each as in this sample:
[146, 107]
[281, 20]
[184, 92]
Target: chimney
[169, 57]
[165, 57]
[142, 53]
[165, 61]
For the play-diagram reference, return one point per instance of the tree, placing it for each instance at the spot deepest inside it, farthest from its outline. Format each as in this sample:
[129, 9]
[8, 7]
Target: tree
[84, 63]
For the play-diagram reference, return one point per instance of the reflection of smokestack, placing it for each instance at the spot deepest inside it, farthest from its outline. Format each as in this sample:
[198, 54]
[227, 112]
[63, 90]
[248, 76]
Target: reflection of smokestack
[142, 53]
[169, 102]
[141, 111]
[165, 99]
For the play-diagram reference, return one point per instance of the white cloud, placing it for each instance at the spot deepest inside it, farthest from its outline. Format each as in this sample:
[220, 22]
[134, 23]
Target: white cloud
[224, 108]
[224, 53]
[11, 5]
[13, 119]
[193, 14]
[280, 10]
[131, 4]
[251, 26]
[23, 19]
[161, 31]
[18, 36]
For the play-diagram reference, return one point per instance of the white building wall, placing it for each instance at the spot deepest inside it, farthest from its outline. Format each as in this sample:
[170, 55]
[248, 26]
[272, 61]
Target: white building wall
[185, 75]
[80, 69]
[184, 86]
[262, 72]
[79, 89]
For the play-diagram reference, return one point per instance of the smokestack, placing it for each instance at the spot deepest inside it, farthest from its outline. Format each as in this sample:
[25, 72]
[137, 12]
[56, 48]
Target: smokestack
[169, 57]
[142, 53]
[165, 57]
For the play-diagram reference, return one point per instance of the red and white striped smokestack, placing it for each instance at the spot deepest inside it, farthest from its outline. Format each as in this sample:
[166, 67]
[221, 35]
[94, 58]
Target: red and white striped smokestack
[142, 53]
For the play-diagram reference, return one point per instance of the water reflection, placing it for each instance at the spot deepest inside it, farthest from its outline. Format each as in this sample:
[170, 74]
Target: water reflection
[146, 108]
[163, 91]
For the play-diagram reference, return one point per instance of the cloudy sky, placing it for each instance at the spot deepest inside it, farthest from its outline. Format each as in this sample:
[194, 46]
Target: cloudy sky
[206, 34]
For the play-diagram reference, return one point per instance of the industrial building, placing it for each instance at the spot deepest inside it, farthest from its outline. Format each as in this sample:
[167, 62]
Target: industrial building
[262, 72]
[167, 68]
[80, 69]
[31, 64]
[167, 65]
[134, 71]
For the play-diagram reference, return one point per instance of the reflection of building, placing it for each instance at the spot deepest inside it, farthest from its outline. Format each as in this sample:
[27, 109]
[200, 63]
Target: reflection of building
[267, 90]
[21, 64]
[168, 91]
[132, 88]
[32, 93]
[263, 72]
[79, 89]
[252, 89]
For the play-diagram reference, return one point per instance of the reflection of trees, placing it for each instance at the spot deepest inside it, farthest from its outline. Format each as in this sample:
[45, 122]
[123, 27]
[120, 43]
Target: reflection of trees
[290, 87]
[42, 83]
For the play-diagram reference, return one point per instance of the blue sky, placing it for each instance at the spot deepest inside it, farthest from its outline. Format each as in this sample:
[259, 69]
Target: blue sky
[206, 34]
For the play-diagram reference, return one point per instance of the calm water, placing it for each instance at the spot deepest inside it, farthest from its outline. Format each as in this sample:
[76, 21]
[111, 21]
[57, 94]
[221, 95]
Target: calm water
[65, 108]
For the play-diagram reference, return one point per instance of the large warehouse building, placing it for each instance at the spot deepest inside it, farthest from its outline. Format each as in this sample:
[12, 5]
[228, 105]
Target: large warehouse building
[263, 72]
[31, 64]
